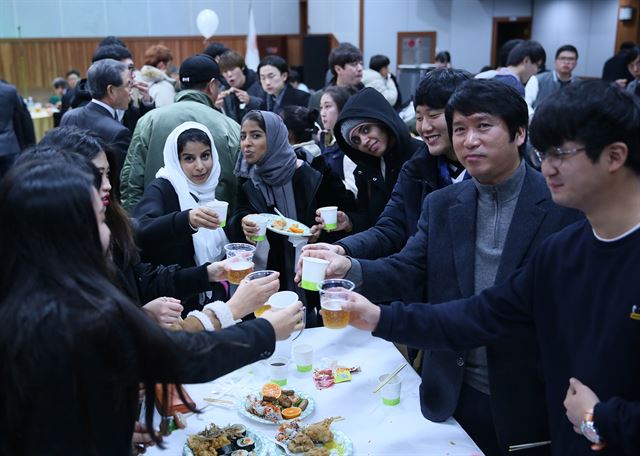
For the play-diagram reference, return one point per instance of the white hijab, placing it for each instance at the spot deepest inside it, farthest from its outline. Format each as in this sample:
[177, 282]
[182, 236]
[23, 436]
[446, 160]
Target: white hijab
[207, 244]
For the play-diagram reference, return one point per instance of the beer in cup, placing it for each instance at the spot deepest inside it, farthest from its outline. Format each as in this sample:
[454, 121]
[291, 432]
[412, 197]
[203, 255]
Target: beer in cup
[333, 294]
[239, 261]
[259, 275]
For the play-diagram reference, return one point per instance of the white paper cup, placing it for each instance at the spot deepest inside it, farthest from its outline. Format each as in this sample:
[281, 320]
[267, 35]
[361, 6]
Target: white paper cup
[330, 216]
[261, 221]
[278, 370]
[303, 357]
[391, 391]
[282, 300]
[220, 208]
[312, 272]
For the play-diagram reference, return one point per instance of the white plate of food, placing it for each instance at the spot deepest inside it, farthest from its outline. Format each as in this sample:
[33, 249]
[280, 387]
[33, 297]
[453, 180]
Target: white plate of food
[269, 408]
[316, 439]
[286, 226]
[232, 440]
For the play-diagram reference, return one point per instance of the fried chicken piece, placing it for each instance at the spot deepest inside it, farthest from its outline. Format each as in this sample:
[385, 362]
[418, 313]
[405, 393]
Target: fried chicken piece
[320, 432]
[318, 451]
[300, 443]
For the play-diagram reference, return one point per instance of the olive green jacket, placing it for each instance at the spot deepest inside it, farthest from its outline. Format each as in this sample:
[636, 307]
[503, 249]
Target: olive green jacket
[145, 154]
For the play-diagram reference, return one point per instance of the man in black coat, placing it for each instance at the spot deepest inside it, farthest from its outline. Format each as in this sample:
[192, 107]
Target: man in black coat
[433, 166]
[470, 236]
[110, 85]
[16, 126]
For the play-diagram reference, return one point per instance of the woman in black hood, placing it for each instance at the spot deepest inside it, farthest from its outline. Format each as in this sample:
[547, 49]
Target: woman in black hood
[371, 134]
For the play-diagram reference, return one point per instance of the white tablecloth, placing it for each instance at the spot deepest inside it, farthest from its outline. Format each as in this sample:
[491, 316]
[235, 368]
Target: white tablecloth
[374, 428]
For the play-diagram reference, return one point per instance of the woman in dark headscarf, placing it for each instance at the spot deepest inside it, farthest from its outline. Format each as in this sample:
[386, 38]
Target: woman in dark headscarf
[271, 176]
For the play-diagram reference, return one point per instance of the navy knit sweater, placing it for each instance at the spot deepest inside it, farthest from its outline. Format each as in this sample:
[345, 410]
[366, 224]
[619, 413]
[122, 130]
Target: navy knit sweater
[578, 292]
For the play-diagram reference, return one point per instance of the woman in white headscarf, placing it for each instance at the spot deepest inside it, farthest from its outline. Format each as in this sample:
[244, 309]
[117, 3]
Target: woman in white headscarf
[174, 225]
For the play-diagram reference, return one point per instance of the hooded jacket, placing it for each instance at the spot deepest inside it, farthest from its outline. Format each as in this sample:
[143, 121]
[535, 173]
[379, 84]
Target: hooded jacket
[374, 189]
[232, 106]
[161, 86]
[145, 155]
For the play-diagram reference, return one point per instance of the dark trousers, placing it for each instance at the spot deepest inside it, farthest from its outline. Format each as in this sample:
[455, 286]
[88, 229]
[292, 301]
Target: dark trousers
[474, 415]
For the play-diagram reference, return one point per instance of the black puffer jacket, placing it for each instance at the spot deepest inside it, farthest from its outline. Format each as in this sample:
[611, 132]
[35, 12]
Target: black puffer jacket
[236, 110]
[374, 189]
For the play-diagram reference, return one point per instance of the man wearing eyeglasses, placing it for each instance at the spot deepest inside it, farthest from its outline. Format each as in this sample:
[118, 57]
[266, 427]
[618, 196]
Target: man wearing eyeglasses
[548, 83]
[470, 236]
[579, 291]
[109, 83]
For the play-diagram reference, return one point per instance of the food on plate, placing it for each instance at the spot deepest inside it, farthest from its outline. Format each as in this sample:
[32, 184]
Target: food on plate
[271, 402]
[304, 439]
[320, 432]
[295, 228]
[279, 224]
[214, 440]
[317, 451]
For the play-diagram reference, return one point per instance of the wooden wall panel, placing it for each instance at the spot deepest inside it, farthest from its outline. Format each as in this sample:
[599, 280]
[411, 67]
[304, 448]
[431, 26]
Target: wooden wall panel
[628, 30]
[34, 63]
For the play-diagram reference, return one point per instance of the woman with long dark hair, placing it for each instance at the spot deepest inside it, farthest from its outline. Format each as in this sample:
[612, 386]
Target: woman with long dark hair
[73, 348]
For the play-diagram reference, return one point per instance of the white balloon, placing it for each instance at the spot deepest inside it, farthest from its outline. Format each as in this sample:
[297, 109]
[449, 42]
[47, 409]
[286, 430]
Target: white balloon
[207, 21]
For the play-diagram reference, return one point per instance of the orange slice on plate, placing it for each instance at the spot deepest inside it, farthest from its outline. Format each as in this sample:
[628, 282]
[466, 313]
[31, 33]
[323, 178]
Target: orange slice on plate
[291, 413]
[271, 390]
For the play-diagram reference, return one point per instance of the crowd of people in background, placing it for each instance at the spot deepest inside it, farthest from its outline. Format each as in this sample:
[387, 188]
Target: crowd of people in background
[514, 192]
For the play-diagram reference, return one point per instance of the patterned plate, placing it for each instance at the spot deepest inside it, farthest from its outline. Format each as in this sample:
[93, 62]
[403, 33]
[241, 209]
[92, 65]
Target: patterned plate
[285, 231]
[263, 446]
[341, 445]
[243, 408]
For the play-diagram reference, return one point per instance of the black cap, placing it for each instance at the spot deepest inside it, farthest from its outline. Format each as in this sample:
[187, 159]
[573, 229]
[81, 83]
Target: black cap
[199, 68]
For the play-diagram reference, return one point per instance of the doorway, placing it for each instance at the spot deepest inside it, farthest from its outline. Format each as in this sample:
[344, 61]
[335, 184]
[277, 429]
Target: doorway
[508, 28]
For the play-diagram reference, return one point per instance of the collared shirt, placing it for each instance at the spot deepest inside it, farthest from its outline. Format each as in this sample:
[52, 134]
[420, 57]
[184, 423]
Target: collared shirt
[105, 106]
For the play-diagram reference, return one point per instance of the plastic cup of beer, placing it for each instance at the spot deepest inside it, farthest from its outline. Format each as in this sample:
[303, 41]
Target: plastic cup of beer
[239, 261]
[312, 272]
[303, 357]
[278, 370]
[259, 275]
[334, 293]
[220, 208]
[261, 221]
[391, 391]
[329, 215]
[282, 300]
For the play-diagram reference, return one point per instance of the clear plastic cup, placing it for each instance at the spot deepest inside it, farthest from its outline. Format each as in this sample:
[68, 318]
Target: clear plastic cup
[333, 294]
[220, 208]
[239, 261]
[259, 275]
[330, 216]
[312, 272]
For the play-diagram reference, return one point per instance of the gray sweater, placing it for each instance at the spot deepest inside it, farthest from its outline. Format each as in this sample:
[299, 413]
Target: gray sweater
[496, 205]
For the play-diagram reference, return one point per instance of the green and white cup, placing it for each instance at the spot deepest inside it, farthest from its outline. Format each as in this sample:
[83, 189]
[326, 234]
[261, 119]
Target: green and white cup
[303, 357]
[312, 272]
[391, 391]
[278, 370]
[261, 221]
[220, 208]
[330, 216]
